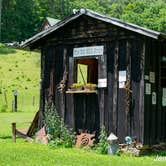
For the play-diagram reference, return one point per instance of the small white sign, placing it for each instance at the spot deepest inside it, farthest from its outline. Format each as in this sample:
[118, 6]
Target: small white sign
[147, 89]
[154, 98]
[121, 84]
[122, 76]
[102, 83]
[147, 77]
[164, 92]
[88, 51]
[164, 101]
[152, 77]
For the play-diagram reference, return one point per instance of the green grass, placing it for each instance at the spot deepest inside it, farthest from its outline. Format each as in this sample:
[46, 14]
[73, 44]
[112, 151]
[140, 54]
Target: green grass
[23, 153]
[22, 120]
[32, 154]
[19, 70]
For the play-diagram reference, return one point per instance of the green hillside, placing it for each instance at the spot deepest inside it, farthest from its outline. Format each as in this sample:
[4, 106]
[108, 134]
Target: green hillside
[19, 70]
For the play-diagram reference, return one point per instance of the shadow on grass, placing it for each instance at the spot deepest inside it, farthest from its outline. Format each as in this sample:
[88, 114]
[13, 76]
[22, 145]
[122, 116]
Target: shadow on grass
[154, 153]
[6, 50]
[5, 137]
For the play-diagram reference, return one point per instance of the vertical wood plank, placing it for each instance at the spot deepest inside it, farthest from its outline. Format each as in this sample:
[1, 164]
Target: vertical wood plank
[41, 105]
[70, 118]
[115, 88]
[102, 73]
[110, 81]
[141, 94]
[128, 62]
[62, 94]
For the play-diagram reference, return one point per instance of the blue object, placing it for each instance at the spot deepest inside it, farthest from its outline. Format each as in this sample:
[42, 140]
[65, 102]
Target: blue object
[128, 140]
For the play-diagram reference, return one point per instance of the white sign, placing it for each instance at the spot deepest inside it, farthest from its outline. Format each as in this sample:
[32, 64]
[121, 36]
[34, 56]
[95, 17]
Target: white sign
[122, 76]
[147, 89]
[154, 98]
[88, 51]
[164, 92]
[102, 83]
[164, 101]
[164, 97]
[152, 77]
[147, 77]
[121, 84]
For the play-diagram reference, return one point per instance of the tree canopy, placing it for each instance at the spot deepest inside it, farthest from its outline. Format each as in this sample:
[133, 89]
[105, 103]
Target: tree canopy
[22, 19]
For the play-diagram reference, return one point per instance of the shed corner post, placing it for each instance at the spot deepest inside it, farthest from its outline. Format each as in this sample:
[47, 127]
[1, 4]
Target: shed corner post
[142, 93]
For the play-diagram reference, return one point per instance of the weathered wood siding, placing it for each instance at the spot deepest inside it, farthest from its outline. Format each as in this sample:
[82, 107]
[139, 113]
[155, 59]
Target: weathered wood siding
[122, 112]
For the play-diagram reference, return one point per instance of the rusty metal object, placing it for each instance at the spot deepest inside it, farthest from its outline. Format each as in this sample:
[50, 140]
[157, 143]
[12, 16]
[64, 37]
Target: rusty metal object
[42, 137]
[85, 139]
[62, 83]
[128, 95]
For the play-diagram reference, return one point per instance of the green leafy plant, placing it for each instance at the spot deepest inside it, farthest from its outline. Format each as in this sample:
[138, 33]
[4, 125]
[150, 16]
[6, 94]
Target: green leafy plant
[3, 108]
[60, 134]
[103, 144]
[6, 50]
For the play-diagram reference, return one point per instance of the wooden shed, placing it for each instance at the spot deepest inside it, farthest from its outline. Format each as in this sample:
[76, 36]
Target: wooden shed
[126, 62]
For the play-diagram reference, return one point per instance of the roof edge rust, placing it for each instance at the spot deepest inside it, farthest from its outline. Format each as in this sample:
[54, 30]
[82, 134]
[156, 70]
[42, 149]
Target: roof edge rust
[114, 21]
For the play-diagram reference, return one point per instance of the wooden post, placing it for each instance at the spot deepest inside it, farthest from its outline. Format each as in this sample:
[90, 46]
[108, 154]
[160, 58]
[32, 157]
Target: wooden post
[15, 101]
[14, 132]
[33, 100]
[12, 105]
[5, 98]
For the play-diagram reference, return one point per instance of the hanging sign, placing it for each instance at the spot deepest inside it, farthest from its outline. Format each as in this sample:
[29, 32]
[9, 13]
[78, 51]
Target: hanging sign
[102, 83]
[152, 77]
[154, 98]
[146, 78]
[164, 92]
[122, 84]
[147, 89]
[164, 97]
[122, 76]
[88, 51]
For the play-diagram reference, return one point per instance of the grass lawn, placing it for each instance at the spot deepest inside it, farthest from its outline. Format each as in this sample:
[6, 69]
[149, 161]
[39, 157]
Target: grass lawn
[31, 154]
[19, 70]
[22, 120]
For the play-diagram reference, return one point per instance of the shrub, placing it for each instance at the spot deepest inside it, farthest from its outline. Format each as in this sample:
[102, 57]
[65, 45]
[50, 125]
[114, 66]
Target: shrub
[3, 108]
[6, 50]
[60, 134]
[103, 144]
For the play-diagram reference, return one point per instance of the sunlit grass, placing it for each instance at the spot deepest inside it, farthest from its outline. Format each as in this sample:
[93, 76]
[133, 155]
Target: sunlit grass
[20, 70]
[32, 154]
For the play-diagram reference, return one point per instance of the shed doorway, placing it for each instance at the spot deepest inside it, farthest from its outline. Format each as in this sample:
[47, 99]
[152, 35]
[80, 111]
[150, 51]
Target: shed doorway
[86, 106]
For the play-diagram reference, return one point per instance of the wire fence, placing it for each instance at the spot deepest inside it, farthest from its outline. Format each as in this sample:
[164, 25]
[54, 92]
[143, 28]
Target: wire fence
[26, 101]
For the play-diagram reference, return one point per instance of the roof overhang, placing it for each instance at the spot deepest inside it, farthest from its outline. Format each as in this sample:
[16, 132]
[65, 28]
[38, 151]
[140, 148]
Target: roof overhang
[90, 13]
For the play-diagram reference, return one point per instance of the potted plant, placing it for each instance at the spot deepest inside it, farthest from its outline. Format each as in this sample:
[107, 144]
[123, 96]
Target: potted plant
[90, 86]
[76, 87]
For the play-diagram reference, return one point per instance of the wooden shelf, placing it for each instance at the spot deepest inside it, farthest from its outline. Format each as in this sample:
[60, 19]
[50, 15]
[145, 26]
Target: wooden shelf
[81, 91]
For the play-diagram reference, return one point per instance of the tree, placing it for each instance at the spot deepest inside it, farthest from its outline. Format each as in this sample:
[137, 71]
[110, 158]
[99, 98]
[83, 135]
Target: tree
[0, 17]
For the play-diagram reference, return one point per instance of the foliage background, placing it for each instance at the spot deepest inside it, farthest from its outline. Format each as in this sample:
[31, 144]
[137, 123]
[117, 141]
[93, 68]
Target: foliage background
[22, 18]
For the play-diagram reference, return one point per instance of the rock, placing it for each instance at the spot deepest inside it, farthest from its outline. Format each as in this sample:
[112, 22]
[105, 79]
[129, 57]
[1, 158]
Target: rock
[42, 136]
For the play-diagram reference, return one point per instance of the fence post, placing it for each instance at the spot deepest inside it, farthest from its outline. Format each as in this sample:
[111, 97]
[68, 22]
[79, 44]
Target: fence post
[33, 100]
[5, 96]
[15, 101]
[14, 132]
